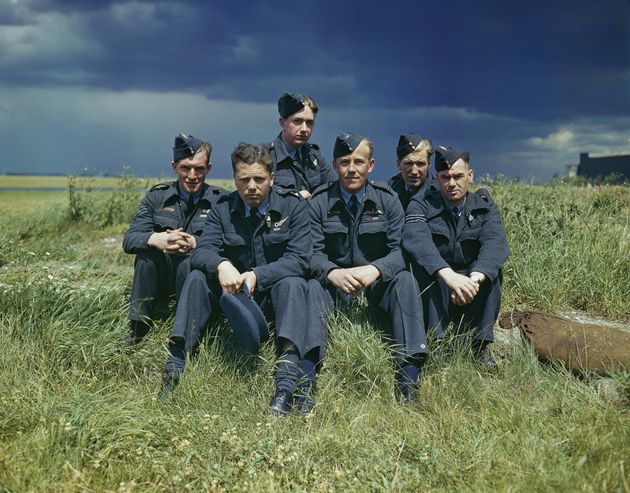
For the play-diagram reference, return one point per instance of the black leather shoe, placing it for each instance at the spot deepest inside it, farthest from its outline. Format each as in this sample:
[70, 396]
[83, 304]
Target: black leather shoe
[304, 402]
[169, 382]
[408, 392]
[137, 332]
[482, 354]
[280, 404]
[487, 361]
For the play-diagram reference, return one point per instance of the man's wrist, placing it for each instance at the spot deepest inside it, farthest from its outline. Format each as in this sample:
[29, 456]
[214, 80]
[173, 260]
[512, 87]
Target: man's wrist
[476, 278]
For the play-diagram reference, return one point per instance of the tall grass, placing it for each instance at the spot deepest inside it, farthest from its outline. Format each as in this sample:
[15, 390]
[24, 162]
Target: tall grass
[80, 413]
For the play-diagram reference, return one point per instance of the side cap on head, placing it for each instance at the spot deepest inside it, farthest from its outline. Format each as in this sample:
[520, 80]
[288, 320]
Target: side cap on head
[446, 156]
[346, 143]
[185, 146]
[246, 319]
[290, 103]
[407, 143]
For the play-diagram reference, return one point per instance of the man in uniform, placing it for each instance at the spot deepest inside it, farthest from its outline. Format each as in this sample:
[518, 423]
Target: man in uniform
[257, 239]
[298, 164]
[414, 162]
[165, 230]
[458, 244]
[357, 227]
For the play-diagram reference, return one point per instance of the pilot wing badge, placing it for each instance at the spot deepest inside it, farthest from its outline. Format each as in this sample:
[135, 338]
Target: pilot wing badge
[278, 224]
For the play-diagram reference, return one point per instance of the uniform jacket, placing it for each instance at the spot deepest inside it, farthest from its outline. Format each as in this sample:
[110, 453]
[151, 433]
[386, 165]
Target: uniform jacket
[280, 246]
[161, 209]
[397, 183]
[293, 175]
[372, 238]
[477, 242]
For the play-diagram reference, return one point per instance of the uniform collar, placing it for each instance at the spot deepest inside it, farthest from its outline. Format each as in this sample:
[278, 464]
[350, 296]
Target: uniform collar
[269, 204]
[336, 200]
[284, 150]
[262, 208]
[437, 204]
[196, 196]
[346, 196]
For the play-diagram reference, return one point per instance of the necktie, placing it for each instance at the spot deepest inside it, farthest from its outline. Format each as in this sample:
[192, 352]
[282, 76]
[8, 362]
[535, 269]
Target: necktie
[254, 217]
[190, 205]
[455, 211]
[354, 206]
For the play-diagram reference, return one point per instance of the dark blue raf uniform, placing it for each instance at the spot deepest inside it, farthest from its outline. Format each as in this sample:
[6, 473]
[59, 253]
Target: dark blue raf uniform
[373, 236]
[302, 169]
[158, 275]
[277, 249]
[471, 239]
[405, 194]
[297, 169]
[407, 143]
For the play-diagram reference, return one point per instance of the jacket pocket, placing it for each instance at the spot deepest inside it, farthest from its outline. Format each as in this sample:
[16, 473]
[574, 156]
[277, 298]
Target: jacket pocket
[163, 221]
[372, 239]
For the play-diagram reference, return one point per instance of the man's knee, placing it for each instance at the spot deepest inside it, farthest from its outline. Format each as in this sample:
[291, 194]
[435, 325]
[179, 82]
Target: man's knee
[289, 285]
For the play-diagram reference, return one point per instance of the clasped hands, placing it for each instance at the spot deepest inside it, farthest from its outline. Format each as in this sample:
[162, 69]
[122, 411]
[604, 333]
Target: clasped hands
[353, 279]
[463, 288]
[173, 241]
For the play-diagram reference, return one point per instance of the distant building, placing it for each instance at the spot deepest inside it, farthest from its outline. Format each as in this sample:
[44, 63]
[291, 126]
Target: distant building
[601, 167]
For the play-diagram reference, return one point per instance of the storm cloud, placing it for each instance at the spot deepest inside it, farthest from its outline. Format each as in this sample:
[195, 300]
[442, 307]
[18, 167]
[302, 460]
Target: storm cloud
[525, 87]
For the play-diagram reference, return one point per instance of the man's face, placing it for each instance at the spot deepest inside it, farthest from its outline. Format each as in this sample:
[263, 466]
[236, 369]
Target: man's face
[298, 127]
[192, 171]
[353, 169]
[414, 168]
[454, 182]
[253, 182]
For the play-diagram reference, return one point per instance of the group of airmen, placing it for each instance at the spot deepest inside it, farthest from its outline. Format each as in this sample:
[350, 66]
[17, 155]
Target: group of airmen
[298, 237]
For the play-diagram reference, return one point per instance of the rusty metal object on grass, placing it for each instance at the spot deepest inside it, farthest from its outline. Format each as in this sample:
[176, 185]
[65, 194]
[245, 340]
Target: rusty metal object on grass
[580, 346]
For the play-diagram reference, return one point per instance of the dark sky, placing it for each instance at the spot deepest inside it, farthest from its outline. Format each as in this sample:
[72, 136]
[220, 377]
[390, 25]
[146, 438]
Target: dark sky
[525, 86]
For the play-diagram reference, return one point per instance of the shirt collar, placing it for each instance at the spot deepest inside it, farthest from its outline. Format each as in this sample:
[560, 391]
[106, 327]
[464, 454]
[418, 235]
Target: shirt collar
[346, 196]
[457, 209]
[293, 153]
[262, 208]
[184, 195]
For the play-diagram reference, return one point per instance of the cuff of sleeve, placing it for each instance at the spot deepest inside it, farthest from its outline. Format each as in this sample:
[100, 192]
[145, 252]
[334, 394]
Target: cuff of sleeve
[434, 268]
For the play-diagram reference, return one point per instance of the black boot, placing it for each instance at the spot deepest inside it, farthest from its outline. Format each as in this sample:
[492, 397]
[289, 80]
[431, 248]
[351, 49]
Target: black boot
[307, 385]
[174, 368]
[286, 376]
[408, 380]
[481, 352]
[137, 331]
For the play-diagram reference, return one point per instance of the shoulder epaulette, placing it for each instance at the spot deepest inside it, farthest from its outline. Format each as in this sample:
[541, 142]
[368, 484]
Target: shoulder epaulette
[217, 190]
[160, 186]
[322, 188]
[224, 197]
[287, 192]
[383, 186]
[484, 194]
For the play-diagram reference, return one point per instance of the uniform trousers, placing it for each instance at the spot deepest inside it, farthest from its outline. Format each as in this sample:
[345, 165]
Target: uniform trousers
[199, 304]
[399, 299]
[478, 316]
[156, 277]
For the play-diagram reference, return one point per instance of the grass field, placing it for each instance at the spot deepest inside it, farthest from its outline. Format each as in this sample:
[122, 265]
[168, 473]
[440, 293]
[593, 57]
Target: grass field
[79, 413]
[61, 182]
